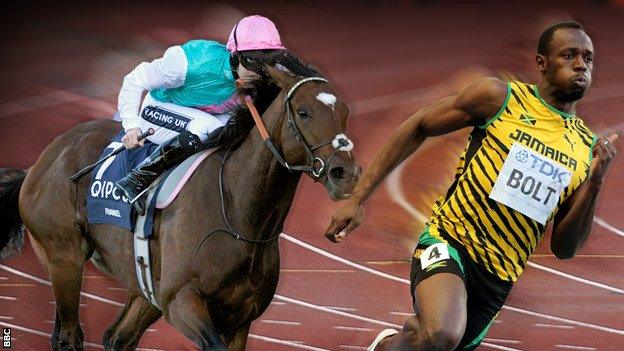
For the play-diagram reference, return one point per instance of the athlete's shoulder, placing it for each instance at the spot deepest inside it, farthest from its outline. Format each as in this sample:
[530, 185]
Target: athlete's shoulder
[483, 98]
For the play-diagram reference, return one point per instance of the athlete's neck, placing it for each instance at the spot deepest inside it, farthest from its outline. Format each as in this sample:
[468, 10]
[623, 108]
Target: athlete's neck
[546, 91]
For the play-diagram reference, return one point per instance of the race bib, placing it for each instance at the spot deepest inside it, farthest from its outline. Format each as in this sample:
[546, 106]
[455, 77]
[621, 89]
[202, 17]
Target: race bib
[530, 183]
[433, 254]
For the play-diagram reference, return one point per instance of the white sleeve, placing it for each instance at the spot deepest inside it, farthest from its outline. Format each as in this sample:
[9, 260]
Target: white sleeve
[166, 72]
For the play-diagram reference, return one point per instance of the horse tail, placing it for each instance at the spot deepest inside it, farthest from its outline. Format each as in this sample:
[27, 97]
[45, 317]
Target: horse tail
[11, 226]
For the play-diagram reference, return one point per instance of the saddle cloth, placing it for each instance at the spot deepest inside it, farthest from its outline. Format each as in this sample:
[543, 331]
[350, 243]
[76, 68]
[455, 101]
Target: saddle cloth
[107, 205]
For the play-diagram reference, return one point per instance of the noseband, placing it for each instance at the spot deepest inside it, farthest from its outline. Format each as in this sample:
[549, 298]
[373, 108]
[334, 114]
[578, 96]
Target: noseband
[316, 166]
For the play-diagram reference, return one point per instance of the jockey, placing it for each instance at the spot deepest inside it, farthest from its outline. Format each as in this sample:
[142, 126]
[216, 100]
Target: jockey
[191, 93]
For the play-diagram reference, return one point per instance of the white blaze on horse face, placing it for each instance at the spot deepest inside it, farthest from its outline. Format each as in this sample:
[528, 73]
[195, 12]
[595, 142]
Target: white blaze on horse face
[327, 99]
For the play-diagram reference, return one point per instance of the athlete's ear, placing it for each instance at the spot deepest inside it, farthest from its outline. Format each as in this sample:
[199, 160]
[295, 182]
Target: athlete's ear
[541, 62]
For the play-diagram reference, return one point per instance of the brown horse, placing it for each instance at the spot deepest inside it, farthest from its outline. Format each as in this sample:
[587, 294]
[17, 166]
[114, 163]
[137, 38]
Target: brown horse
[210, 284]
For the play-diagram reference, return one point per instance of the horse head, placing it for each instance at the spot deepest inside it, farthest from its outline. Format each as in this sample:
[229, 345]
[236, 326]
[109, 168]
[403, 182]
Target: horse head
[311, 132]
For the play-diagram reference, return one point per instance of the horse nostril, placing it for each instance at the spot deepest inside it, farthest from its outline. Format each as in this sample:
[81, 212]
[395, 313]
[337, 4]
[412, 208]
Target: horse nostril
[337, 173]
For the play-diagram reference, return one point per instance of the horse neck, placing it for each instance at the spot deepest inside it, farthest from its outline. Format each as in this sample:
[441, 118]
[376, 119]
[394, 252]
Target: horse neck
[260, 189]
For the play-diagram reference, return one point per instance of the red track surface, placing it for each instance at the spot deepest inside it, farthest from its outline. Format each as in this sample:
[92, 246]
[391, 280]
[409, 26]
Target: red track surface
[387, 62]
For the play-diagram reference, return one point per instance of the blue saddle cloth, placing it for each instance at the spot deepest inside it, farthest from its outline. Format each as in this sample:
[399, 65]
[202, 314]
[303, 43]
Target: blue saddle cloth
[105, 202]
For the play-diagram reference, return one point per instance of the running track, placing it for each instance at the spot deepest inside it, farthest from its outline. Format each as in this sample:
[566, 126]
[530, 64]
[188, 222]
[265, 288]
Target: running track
[387, 61]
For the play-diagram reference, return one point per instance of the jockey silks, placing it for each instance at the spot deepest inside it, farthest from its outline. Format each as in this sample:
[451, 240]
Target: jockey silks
[208, 80]
[190, 88]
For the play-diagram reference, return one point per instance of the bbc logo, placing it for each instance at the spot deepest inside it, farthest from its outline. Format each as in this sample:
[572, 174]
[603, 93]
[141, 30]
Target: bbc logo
[6, 338]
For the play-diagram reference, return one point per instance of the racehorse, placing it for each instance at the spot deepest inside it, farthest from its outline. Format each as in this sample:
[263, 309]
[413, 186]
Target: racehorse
[215, 254]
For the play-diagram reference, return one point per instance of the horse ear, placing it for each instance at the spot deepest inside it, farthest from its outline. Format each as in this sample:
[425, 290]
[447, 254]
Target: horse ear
[283, 78]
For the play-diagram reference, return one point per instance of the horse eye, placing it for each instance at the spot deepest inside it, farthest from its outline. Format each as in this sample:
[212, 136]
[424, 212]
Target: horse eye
[303, 113]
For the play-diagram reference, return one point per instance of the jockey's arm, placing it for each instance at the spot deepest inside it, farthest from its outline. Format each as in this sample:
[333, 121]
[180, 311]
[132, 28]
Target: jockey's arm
[473, 105]
[166, 72]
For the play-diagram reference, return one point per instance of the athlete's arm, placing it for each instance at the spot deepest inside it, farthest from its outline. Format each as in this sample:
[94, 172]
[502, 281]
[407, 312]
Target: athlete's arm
[474, 105]
[573, 222]
[166, 72]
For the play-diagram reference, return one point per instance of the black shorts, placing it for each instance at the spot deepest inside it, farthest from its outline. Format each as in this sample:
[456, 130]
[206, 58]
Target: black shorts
[486, 292]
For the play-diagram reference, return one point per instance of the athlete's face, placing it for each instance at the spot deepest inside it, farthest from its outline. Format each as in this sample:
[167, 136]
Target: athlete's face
[569, 64]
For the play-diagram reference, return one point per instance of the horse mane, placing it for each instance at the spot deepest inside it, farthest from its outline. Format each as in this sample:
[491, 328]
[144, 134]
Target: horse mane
[263, 92]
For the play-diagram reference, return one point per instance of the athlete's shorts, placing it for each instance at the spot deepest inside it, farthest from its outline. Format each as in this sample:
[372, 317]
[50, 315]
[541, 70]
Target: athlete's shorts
[486, 292]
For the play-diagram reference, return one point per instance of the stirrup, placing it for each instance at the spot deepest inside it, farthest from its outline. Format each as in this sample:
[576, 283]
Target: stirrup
[384, 334]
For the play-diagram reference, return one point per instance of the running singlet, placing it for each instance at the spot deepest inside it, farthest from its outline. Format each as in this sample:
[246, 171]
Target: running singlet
[514, 174]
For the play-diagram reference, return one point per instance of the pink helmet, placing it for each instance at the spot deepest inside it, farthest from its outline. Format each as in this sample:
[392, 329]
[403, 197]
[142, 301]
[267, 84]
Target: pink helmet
[254, 33]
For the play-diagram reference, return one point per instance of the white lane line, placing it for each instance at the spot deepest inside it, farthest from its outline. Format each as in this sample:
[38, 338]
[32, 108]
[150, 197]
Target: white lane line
[565, 320]
[286, 342]
[497, 347]
[352, 347]
[332, 311]
[342, 260]
[45, 282]
[575, 278]
[393, 185]
[5, 318]
[574, 347]
[114, 288]
[601, 222]
[503, 341]
[260, 337]
[4, 278]
[8, 298]
[272, 321]
[402, 314]
[347, 309]
[358, 329]
[278, 303]
[553, 326]
[405, 281]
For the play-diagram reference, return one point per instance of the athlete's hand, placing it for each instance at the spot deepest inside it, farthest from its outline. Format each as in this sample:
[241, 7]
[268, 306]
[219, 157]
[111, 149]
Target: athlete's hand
[131, 139]
[345, 220]
[604, 152]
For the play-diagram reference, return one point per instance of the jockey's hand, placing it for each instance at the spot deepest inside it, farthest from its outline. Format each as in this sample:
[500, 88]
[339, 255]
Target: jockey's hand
[345, 220]
[131, 139]
[604, 151]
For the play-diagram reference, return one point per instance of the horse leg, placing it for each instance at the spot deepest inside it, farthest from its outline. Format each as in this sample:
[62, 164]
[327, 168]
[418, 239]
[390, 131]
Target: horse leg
[239, 341]
[188, 312]
[66, 257]
[66, 277]
[134, 319]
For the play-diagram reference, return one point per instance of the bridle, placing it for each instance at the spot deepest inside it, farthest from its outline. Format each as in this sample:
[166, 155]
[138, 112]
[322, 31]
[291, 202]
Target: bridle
[316, 166]
[340, 143]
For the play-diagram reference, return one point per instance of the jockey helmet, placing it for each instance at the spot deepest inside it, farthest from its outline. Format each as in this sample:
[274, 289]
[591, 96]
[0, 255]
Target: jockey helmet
[254, 33]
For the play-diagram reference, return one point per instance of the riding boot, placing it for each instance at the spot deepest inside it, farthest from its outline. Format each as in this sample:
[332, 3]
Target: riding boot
[167, 155]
